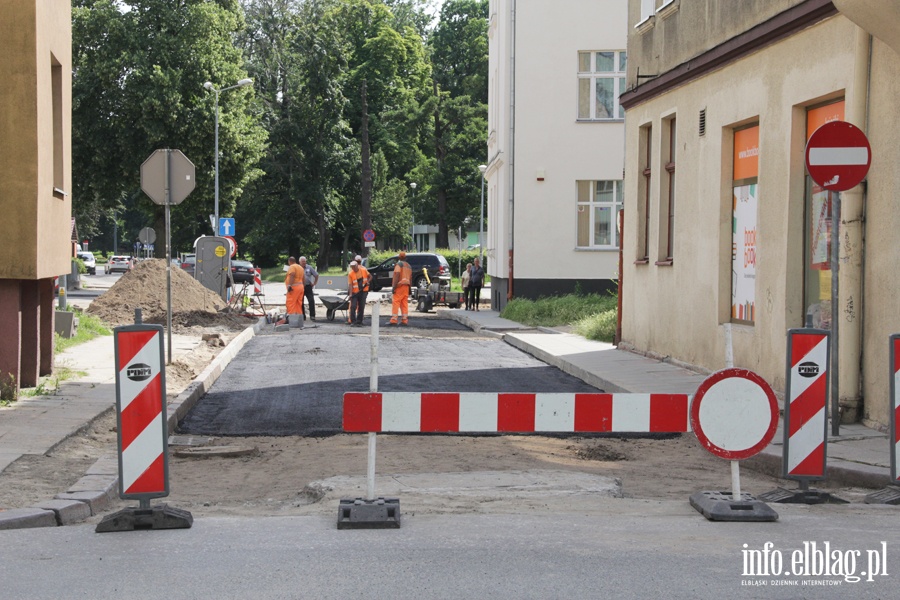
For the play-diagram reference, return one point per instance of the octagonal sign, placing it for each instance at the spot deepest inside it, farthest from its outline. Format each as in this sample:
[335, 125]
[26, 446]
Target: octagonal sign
[180, 181]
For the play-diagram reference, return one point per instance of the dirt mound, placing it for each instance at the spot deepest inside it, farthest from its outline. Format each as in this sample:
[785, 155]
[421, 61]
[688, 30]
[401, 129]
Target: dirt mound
[144, 287]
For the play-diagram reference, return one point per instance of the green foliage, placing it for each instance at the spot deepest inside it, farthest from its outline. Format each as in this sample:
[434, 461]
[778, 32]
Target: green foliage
[79, 265]
[138, 78]
[591, 315]
[9, 391]
[89, 327]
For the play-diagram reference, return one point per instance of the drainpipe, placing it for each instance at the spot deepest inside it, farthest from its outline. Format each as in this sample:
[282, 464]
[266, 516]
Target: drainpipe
[512, 143]
[852, 256]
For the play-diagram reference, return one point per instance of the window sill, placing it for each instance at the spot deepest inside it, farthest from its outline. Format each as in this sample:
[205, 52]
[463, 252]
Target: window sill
[577, 120]
[668, 9]
[664, 263]
[58, 193]
[642, 261]
[646, 25]
[596, 249]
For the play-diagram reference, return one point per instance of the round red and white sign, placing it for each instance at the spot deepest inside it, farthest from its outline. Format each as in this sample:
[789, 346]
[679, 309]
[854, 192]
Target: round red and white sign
[838, 156]
[734, 414]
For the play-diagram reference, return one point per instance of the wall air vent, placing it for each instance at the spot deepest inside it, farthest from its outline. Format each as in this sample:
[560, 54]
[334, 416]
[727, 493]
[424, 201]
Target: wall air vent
[702, 122]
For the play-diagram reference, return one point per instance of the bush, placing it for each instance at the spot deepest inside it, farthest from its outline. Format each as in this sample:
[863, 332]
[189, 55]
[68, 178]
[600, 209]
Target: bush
[591, 315]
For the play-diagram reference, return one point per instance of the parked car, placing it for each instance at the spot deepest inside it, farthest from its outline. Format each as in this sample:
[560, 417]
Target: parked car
[119, 264]
[188, 262]
[90, 263]
[242, 271]
[437, 265]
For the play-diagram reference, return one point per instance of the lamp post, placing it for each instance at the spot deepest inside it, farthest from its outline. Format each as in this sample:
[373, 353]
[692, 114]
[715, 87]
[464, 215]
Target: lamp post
[412, 228]
[208, 85]
[481, 168]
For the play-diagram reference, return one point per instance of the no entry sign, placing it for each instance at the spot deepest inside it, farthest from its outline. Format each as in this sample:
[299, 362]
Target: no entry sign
[838, 156]
[734, 414]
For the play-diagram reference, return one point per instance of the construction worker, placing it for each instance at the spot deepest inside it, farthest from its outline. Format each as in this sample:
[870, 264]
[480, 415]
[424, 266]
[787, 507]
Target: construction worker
[400, 287]
[293, 282]
[358, 284]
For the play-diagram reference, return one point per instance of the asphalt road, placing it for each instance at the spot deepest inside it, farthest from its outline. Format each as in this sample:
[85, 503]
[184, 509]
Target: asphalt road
[637, 551]
[293, 383]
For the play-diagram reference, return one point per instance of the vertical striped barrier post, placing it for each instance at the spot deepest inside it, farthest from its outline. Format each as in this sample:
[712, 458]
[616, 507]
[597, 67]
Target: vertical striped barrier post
[257, 282]
[891, 493]
[142, 432]
[805, 416]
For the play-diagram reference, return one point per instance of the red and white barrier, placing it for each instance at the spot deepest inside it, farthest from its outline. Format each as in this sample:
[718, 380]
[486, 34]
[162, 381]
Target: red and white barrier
[466, 412]
[257, 281]
[140, 401]
[806, 395]
[895, 407]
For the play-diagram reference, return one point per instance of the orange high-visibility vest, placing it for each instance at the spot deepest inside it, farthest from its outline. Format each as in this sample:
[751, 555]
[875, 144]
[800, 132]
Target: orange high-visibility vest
[402, 273]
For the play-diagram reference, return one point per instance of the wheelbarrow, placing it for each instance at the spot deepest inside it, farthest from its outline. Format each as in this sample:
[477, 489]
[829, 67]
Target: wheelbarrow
[335, 303]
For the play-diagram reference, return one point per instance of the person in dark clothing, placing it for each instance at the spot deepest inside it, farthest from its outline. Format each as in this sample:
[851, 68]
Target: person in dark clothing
[476, 281]
[310, 278]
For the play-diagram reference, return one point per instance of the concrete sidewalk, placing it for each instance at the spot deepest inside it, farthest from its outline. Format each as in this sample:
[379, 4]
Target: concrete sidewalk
[859, 456]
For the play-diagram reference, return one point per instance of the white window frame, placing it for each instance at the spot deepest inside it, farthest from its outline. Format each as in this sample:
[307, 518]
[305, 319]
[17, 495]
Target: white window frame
[591, 205]
[617, 76]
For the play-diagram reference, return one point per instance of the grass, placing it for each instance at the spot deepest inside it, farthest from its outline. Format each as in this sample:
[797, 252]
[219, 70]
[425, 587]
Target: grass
[49, 385]
[89, 327]
[590, 315]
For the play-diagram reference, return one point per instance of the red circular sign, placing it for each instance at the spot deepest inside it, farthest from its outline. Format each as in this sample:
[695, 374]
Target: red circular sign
[734, 414]
[233, 243]
[838, 156]
[369, 235]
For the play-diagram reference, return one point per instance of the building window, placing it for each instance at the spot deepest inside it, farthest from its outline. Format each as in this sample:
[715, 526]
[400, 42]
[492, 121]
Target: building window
[744, 201]
[646, 150]
[599, 203]
[59, 169]
[601, 79]
[668, 207]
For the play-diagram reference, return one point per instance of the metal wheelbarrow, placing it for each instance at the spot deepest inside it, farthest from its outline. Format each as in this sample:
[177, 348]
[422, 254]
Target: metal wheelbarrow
[335, 303]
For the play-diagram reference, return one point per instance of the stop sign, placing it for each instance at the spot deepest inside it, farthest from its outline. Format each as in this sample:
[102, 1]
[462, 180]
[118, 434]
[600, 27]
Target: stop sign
[838, 156]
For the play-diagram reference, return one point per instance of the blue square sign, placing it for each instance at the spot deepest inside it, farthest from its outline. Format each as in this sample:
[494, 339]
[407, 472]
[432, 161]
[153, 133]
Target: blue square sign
[226, 226]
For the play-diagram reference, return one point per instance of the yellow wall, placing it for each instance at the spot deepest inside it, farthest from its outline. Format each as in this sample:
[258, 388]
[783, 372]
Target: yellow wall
[34, 241]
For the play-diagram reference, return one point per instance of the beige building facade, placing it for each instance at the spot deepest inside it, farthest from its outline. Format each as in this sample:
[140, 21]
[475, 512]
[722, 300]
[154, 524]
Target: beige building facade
[35, 179]
[724, 229]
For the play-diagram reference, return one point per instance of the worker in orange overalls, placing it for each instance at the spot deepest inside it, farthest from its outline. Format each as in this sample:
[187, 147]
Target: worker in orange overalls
[400, 286]
[358, 284]
[293, 281]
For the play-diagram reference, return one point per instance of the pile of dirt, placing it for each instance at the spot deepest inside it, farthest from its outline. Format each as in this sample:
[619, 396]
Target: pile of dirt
[145, 287]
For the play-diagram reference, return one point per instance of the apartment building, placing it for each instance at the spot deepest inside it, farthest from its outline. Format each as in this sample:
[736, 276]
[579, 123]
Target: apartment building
[554, 182]
[35, 179]
[724, 228]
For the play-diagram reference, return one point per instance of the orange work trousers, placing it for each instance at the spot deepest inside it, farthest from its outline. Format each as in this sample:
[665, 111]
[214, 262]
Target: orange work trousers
[294, 300]
[400, 303]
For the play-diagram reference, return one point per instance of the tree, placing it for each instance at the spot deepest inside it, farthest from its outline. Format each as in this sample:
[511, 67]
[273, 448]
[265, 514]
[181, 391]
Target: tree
[139, 68]
[459, 109]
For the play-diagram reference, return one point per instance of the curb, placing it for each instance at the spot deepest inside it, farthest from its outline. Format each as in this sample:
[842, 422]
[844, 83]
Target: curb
[838, 473]
[94, 492]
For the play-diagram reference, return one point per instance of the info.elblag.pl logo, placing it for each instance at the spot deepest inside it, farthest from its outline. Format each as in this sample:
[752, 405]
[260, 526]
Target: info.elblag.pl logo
[814, 564]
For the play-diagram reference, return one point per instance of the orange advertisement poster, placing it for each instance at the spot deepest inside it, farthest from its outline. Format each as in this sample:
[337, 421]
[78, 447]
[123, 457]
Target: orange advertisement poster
[816, 117]
[746, 153]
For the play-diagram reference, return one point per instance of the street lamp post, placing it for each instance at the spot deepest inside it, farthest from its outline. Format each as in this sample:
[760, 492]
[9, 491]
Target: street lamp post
[208, 85]
[481, 168]
[412, 228]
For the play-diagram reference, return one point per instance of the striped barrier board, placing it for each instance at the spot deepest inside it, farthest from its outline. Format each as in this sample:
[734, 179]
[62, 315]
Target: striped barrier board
[473, 412]
[895, 407]
[257, 281]
[806, 401]
[141, 411]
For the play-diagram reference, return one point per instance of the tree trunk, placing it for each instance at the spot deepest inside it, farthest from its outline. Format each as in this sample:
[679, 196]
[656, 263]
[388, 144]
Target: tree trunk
[440, 153]
[366, 204]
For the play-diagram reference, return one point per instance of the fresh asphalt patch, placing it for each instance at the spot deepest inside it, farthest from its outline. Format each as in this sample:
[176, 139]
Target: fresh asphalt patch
[293, 383]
